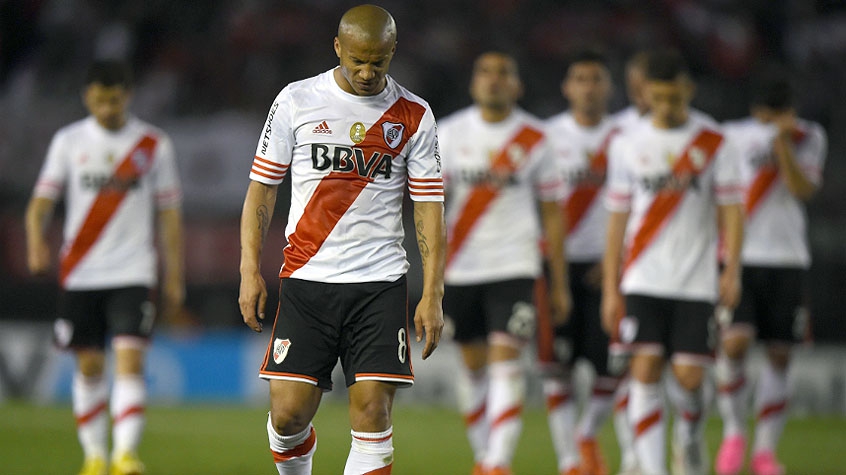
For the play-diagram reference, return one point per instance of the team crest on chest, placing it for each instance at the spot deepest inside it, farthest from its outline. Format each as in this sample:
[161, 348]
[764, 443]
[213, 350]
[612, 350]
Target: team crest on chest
[392, 133]
[140, 159]
[357, 132]
[280, 349]
[697, 158]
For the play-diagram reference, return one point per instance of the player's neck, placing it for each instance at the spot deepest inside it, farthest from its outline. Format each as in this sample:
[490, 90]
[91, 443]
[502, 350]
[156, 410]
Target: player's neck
[670, 122]
[495, 114]
[588, 118]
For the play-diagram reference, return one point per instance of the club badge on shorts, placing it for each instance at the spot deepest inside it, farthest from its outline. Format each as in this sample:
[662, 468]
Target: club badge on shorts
[280, 349]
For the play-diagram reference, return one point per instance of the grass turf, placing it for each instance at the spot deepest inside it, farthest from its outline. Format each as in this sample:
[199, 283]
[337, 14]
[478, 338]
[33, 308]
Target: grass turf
[212, 439]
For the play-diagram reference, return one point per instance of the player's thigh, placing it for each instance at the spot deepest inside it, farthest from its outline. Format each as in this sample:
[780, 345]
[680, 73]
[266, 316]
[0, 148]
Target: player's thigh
[375, 339]
[370, 405]
[646, 324]
[130, 311]
[785, 317]
[509, 306]
[293, 405]
[305, 338]
[693, 333]
[81, 321]
[464, 310]
[742, 322]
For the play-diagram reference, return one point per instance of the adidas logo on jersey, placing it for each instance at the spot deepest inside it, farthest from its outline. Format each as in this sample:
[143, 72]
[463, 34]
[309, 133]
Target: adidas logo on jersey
[322, 128]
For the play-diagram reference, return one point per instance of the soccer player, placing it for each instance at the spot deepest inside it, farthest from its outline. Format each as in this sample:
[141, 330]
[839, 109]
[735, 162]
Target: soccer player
[579, 140]
[352, 140]
[497, 167]
[781, 160]
[635, 79]
[669, 180]
[118, 178]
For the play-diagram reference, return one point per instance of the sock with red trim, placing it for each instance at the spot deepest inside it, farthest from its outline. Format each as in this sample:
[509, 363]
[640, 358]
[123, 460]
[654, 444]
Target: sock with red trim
[732, 395]
[561, 416]
[690, 412]
[292, 454]
[371, 453]
[622, 427]
[646, 413]
[505, 405]
[598, 406]
[129, 397]
[472, 393]
[771, 405]
[90, 395]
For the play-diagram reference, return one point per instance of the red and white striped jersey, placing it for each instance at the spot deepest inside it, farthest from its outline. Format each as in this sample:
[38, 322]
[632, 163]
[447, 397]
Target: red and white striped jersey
[350, 159]
[776, 224]
[581, 153]
[495, 173]
[113, 183]
[670, 181]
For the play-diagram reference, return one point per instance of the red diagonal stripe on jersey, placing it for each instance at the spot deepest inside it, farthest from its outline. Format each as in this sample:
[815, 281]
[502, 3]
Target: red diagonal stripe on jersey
[297, 451]
[666, 200]
[763, 182]
[337, 191]
[106, 203]
[647, 422]
[481, 196]
[585, 194]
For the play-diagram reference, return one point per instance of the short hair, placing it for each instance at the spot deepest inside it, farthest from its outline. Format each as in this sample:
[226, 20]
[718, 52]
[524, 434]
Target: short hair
[771, 88]
[109, 73]
[588, 56]
[665, 66]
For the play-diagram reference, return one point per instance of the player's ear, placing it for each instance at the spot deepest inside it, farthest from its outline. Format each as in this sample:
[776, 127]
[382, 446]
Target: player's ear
[690, 88]
[337, 46]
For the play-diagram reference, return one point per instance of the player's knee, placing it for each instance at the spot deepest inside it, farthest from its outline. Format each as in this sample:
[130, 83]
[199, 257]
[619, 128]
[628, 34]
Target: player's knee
[735, 347]
[647, 368]
[689, 377]
[288, 421]
[779, 356]
[90, 363]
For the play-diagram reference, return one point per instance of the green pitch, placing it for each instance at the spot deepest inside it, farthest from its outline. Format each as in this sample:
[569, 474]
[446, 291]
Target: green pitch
[231, 440]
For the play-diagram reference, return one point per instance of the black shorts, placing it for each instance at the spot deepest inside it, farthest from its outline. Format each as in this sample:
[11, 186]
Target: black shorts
[773, 303]
[87, 317]
[496, 307]
[680, 328]
[582, 336]
[363, 324]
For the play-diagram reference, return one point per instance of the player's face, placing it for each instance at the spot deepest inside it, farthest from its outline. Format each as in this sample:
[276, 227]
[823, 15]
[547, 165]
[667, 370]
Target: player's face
[495, 83]
[587, 87]
[364, 64]
[635, 88]
[669, 101]
[108, 104]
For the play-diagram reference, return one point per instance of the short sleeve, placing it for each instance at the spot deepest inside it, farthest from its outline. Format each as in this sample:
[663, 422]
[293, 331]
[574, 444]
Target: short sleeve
[811, 153]
[425, 181]
[54, 172]
[167, 186]
[620, 183]
[275, 144]
[728, 186]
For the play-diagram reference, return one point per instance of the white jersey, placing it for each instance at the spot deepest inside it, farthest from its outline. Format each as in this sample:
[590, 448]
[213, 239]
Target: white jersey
[113, 182]
[350, 159]
[581, 153]
[627, 118]
[776, 225]
[495, 173]
[670, 182]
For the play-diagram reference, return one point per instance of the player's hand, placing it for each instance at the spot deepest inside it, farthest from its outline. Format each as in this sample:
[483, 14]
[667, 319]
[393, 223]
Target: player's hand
[429, 320]
[562, 304]
[730, 287]
[252, 298]
[785, 122]
[612, 310]
[38, 258]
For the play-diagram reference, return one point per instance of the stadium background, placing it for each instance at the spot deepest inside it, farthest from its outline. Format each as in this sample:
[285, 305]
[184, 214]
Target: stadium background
[207, 72]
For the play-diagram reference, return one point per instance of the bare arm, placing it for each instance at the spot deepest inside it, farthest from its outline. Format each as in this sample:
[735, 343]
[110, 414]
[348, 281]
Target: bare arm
[731, 227]
[172, 249]
[791, 174]
[38, 215]
[612, 298]
[431, 241]
[554, 233]
[255, 221]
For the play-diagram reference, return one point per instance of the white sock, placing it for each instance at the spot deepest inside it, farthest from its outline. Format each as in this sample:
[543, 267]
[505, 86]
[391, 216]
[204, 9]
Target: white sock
[690, 412]
[129, 397]
[598, 407]
[646, 413]
[771, 405]
[472, 392]
[292, 454]
[561, 415]
[622, 427]
[371, 453]
[505, 405]
[90, 395]
[732, 395]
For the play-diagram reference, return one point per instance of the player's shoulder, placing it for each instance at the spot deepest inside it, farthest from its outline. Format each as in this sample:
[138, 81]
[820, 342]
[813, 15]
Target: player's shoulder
[458, 117]
[811, 129]
[526, 119]
[74, 129]
[402, 91]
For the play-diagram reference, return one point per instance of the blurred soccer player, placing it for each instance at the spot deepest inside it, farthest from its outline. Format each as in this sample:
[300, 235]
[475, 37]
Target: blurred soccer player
[669, 178]
[635, 79]
[496, 168]
[579, 139]
[118, 178]
[352, 140]
[781, 160]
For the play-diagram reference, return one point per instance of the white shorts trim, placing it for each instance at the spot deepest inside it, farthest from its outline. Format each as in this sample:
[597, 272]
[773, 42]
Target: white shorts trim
[129, 342]
[692, 359]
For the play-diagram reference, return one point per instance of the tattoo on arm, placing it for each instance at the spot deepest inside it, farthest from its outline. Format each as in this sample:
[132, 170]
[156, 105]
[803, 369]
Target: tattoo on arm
[422, 244]
[263, 221]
